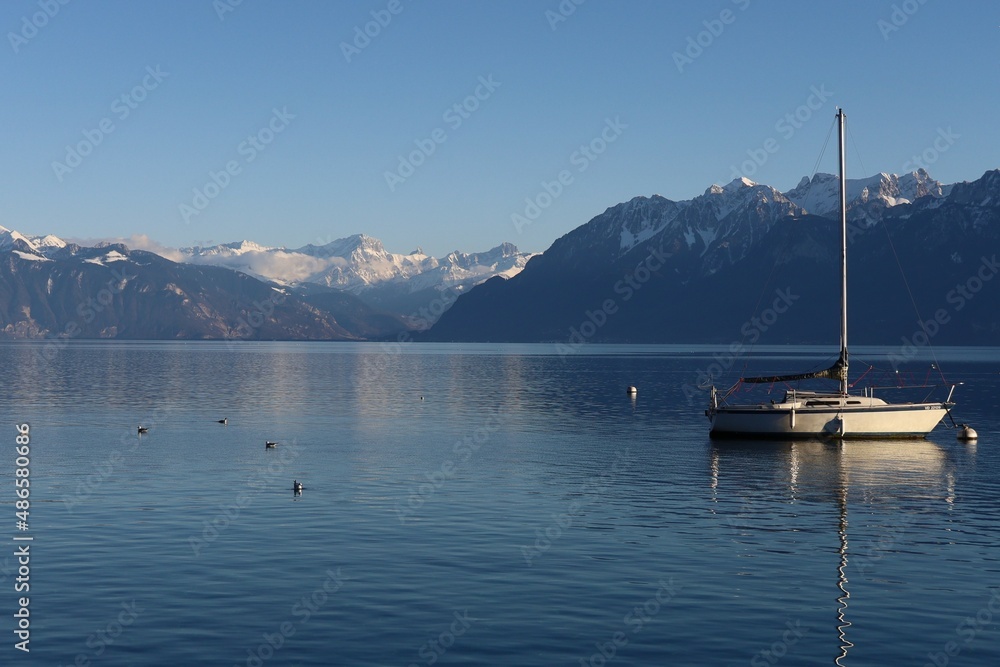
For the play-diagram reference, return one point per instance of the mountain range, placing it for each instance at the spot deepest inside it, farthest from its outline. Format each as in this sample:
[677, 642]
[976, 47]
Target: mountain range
[654, 270]
[63, 290]
[740, 262]
[53, 288]
[360, 265]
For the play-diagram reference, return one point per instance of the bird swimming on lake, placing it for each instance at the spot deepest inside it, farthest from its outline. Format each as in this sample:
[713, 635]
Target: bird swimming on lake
[296, 485]
[143, 429]
[270, 445]
[224, 420]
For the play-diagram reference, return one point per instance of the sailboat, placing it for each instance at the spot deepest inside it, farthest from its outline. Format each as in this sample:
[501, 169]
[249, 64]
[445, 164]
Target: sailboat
[836, 414]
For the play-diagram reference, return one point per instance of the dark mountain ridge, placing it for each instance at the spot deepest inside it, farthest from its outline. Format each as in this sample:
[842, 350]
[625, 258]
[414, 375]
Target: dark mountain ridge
[701, 266]
[111, 291]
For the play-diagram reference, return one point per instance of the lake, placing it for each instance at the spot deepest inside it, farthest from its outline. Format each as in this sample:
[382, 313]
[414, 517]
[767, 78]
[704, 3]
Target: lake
[480, 505]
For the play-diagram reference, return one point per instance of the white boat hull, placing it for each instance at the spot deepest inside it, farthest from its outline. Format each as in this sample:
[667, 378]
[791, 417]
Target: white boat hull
[850, 417]
[814, 414]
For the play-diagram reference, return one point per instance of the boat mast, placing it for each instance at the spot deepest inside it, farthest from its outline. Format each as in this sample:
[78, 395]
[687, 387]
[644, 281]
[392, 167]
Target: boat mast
[841, 118]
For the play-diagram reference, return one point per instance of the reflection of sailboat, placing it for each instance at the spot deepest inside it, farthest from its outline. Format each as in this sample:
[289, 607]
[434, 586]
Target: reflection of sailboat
[877, 471]
[845, 595]
[829, 414]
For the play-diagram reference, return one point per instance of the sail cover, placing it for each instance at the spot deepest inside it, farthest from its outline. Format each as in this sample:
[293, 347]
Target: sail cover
[836, 372]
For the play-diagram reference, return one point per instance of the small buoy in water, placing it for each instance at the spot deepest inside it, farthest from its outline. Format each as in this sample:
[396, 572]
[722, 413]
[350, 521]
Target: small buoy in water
[967, 433]
[631, 391]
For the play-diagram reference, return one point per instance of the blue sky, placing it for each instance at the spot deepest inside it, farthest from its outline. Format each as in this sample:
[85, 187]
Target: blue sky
[308, 130]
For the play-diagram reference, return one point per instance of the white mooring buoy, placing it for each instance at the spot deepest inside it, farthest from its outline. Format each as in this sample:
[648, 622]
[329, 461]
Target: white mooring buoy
[631, 391]
[967, 434]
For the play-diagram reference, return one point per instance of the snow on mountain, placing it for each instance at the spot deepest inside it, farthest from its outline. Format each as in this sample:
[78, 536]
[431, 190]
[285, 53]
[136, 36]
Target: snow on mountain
[712, 230]
[11, 239]
[821, 195]
[114, 255]
[48, 242]
[742, 196]
[359, 262]
[29, 247]
[234, 249]
[706, 261]
[642, 223]
[31, 256]
[706, 220]
[275, 264]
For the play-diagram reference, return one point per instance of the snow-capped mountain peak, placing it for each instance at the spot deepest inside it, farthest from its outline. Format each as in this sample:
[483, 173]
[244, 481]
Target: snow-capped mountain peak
[739, 183]
[735, 185]
[10, 238]
[235, 248]
[821, 195]
[360, 263]
[356, 245]
[48, 241]
[29, 247]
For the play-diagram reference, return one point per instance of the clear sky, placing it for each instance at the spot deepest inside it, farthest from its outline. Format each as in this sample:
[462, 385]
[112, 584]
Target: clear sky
[115, 112]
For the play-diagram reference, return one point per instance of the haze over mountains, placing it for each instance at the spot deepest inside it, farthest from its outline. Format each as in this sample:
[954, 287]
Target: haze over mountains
[647, 270]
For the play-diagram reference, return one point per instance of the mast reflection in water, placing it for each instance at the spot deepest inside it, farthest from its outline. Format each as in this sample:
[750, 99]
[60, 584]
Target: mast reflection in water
[884, 472]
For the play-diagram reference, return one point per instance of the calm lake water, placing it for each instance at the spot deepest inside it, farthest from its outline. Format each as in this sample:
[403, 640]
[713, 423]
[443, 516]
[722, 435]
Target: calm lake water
[480, 505]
